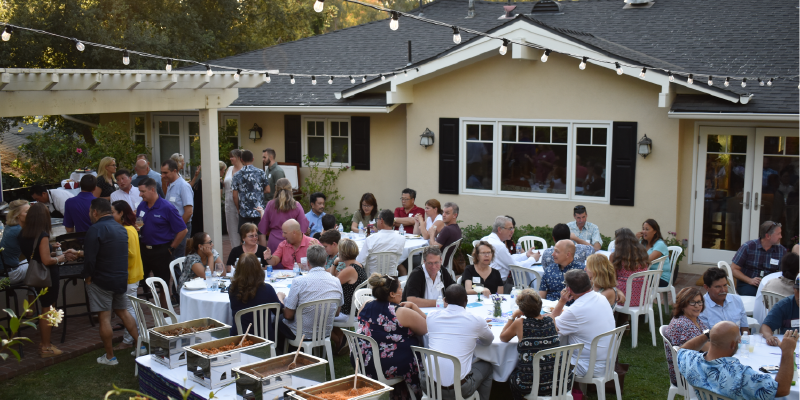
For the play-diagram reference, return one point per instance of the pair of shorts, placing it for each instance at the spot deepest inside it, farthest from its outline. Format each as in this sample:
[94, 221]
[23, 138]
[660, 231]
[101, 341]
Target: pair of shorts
[105, 300]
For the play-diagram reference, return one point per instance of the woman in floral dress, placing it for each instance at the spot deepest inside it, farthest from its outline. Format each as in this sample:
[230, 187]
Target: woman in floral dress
[686, 323]
[395, 327]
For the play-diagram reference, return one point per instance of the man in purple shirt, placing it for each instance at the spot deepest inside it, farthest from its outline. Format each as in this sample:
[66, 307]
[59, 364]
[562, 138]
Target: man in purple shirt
[162, 232]
[76, 209]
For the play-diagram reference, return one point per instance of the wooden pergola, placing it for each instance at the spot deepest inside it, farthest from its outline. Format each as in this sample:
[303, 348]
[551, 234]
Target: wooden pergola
[25, 92]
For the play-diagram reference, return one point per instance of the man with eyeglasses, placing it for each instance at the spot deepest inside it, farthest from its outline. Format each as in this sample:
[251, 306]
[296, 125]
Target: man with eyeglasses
[583, 232]
[405, 214]
[180, 195]
[426, 283]
[502, 230]
[758, 258]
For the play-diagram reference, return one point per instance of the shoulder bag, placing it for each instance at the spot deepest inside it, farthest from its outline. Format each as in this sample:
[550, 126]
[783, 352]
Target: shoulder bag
[38, 274]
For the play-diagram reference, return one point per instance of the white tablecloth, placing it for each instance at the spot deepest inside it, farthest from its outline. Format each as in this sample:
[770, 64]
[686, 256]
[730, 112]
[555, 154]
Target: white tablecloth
[202, 303]
[411, 244]
[759, 311]
[76, 176]
[766, 355]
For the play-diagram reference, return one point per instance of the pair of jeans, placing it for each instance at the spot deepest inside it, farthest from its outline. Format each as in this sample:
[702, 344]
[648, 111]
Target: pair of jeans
[132, 289]
[745, 289]
[480, 381]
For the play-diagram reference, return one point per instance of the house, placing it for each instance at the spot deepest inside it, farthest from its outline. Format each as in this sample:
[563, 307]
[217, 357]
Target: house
[516, 135]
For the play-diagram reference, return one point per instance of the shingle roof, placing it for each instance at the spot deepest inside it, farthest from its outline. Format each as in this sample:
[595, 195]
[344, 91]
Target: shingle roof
[735, 37]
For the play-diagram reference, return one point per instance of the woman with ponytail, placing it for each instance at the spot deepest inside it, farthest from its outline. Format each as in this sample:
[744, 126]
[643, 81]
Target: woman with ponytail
[280, 209]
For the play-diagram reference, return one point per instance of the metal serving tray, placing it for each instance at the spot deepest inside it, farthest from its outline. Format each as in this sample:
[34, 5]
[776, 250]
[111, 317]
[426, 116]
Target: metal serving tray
[381, 391]
[253, 384]
[168, 350]
[215, 370]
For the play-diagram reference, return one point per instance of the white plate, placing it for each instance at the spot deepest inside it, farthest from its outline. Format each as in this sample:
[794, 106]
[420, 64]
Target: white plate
[196, 284]
[284, 275]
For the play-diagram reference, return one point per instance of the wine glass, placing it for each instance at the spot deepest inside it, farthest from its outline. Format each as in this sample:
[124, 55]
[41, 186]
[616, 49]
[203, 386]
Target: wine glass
[219, 271]
[139, 222]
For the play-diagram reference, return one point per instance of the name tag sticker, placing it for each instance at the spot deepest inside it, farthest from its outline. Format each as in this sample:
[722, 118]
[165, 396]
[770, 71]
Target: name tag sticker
[476, 279]
[171, 199]
[796, 323]
[269, 176]
[773, 261]
[141, 213]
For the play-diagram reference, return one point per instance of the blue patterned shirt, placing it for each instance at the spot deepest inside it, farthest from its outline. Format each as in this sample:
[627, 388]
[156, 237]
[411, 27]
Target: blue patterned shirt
[753, 259]
[725, 376]
[553, 278]
[590, 232]
[250, 182]
[582, 251]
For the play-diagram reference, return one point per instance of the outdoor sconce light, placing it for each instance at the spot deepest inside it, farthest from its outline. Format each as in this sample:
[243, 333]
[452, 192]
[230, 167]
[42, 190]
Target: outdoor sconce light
[255, 132]
[426, 139]
[645, 144]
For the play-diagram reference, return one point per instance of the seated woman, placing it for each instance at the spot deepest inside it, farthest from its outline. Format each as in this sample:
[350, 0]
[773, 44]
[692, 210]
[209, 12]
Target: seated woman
[685, 324]
[17, 211]
[482, 273]
[350, 277]
[785, 283]
[653, 242]
[604, 279]
[394, 326]
[367, 211]
[249, 235]
[249, 290]
[432, 220]
[629, 257]
[201, 254]
[535, 332]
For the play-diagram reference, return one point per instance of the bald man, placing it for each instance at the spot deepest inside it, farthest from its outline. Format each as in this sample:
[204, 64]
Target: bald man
[563, 260]
[143, 171]
[293, 249]
[720, 372]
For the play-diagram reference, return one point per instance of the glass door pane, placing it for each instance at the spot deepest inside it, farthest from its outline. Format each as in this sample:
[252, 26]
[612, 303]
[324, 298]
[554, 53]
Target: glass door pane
[169, 138]
[776, 186]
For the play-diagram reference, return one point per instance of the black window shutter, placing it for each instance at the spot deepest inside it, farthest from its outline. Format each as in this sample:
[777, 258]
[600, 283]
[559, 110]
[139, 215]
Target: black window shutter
[623, 163]
[292, 131]
[448, 155]
[359, 143]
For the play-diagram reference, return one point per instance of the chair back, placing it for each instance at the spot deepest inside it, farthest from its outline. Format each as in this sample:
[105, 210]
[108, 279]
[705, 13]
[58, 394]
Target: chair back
[323, 311]
[361, 297]
[561, 370]
[520, 276]
[704, 394]
[684, 389]
[615, 338]
[771, 298]
[262, 315]
[447, 248]
[179, 263]
[410, 258]
[647, 294]
[731, 283]
[470, 259]
[674, 253]
[157, 312]
[354, 306]
[153, 282]
[475, 242]
[430, 363]
[363, 354]
[385, 264]
[529, 242]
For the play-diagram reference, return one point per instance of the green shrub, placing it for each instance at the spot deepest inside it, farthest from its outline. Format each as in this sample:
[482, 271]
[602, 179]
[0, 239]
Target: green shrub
[321, 179]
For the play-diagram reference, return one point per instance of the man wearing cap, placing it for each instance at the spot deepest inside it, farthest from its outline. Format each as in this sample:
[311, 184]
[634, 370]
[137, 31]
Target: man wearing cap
[784, 316]
[583, 232]
[758, 258]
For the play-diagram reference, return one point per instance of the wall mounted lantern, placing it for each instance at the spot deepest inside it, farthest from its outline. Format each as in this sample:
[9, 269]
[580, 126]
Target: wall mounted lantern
[645, 145]
[427, 138]
[256, 132]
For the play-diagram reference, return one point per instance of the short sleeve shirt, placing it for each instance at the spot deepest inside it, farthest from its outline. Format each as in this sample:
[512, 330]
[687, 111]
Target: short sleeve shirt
[448, 235]
[754, 260]
[400, 212]
[662, 248]
[589, 233]
[553, 278]
[76, 213]
[289, 255]
[250, 182]
[180, 195]
[725, 376]
[582, 252]
[318, 284]
[161, 222]
[273, 173]
[782, 314]
[187, 274]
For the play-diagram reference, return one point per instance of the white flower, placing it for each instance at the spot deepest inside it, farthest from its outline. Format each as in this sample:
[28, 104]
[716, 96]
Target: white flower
[54, 317]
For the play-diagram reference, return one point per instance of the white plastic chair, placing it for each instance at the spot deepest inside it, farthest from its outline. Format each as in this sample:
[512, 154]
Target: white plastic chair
[475, 242]
[152, 282]
[471, 260]
[528, 242]
[615, 337]
[179, 262]
[449, 265]
[674, 253]
[520, 276]
[683, 388]
[410, 258]
[433, 387]
[561, 372]
[261, 320]
[704, 394]
[351, 318]
[771, 298]
[385, 264]
[353, 341]
[649, 281]
[361, 297]
[660, 262]
[141, 322]
[320, 334]
[731, 283]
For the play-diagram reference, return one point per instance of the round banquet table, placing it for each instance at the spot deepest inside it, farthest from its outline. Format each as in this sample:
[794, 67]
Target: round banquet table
[201, 303]
[764, 354]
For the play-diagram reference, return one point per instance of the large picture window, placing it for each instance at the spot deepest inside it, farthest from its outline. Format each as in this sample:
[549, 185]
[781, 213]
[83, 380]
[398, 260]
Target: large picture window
[545, 159]
[327, 136]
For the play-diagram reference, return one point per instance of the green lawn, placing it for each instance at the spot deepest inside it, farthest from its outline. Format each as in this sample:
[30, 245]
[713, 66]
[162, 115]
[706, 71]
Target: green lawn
[83, 378]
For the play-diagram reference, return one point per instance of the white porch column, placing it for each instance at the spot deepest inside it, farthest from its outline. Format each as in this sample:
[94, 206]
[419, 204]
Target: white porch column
[209, 159]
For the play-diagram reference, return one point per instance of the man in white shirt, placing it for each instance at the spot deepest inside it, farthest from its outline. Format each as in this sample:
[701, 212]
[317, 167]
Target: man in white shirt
[54, 199]
[589, 316]
[126, 192]
[502, 230]
[457, 332]
[426, 283]
[384, 240]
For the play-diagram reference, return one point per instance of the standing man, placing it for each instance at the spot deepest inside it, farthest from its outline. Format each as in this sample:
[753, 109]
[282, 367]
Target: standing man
[450, 233]
[162, 232]
[76, 209]
[54, 199]
[126, 192]
[405, 214]
[141, 169]
[153, 174]
[758, 258]
[314, 216]
[180, 195]
[105, 272]
[719, 305]
[384, 240]
[563, 261]
[582, 232]
[273, 172]
[248, 187]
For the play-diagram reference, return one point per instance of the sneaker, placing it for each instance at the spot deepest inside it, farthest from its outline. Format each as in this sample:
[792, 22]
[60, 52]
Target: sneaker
[142, 351]
[103, 360]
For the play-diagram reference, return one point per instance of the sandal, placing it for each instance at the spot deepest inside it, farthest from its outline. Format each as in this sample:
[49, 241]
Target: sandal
[51, 351]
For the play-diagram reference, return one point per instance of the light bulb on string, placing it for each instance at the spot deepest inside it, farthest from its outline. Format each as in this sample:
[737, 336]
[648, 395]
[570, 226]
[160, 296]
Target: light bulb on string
[330, 81]
[769, 83]
[266, 77]
[727, 81]
[352, 80]
[364, 79]
[671, 77]
[760, 82]
[169, 65]
[313, 80]
[619, 68]
[456, 36]
[710, 80]
[504, 47]
[209, 72]
[405, 72]
[79, 45]
[7, 33]
[319, 5]
[237, 75]
[744, 82]
[545, 55]
[383, 77]
[690, 80]
[582, 65]
[126, 57]
[641, 74]
[394, 23]
[291, 79]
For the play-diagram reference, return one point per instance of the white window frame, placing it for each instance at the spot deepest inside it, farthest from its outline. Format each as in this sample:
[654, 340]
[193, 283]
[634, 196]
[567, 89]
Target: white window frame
[328, 119]
[238, 118]
[497, 155]
[133, 117]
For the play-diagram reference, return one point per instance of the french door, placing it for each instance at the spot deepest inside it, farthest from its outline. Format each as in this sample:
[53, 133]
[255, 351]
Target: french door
[175, 134]
[745, 176]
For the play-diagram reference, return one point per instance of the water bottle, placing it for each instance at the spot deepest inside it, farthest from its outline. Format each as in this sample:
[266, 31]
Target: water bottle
[58, 251]
[519, 248]
[514, 294]
[209, 281]
[440, 302]
[402, 230]
[269, 271]
[296, 269]
[341, 229]
[745, 342]
[360, 227]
